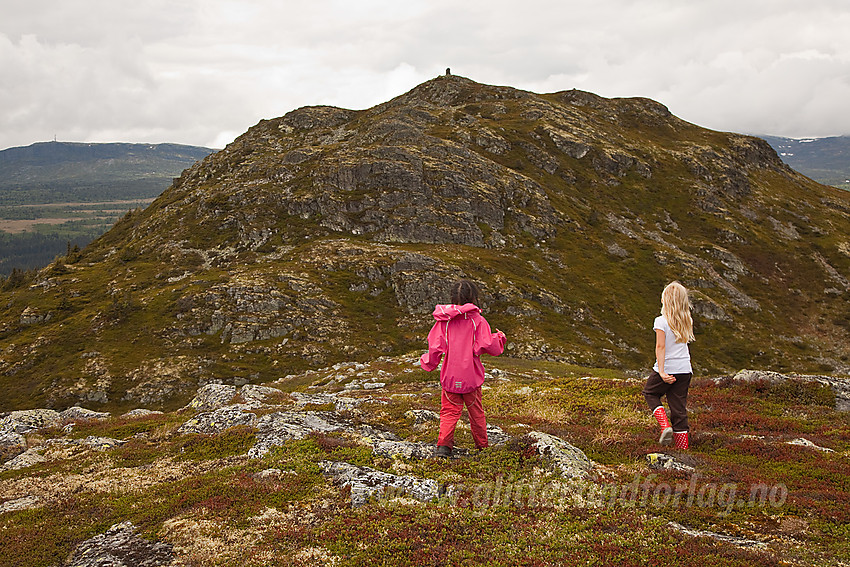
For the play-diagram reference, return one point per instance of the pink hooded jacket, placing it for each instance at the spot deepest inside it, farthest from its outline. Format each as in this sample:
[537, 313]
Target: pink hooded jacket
[462, 335]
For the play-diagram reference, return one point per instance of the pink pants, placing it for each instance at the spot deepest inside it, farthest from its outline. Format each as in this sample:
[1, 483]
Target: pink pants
[450, 410]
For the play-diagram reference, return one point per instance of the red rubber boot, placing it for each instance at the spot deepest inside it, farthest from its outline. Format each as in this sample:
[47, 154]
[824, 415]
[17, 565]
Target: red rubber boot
[666, 430]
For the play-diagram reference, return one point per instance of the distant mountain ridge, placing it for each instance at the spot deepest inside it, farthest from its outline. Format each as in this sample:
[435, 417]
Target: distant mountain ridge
[48, 172]
[60, 174]
[826, 160]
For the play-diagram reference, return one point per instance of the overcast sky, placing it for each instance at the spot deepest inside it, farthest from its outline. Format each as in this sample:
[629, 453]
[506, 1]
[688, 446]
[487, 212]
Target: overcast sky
[202, 72]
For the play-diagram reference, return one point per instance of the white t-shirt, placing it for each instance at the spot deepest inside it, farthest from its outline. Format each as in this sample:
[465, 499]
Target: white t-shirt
[677, 357]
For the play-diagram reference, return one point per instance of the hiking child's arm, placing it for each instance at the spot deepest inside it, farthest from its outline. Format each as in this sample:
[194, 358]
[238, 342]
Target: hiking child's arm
[660, 350]
[436, 348]
[488, 341]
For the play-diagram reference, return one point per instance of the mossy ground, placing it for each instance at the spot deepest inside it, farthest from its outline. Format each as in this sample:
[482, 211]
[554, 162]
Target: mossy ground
[178, 483]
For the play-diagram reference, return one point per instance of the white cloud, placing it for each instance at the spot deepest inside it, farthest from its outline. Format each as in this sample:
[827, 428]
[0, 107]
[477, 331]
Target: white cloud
[200, 72]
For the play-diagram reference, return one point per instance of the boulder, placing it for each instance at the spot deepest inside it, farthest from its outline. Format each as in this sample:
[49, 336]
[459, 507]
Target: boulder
[255, 394]
[567, 459]
[275, 429]
[24, 421]
[26, 459]
[212, 397]
[76, 412]
[119, 546]
[212, 422]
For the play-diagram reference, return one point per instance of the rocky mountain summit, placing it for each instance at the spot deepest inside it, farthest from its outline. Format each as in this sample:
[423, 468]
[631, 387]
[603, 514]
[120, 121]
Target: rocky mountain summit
[328, 235]
[335, 466]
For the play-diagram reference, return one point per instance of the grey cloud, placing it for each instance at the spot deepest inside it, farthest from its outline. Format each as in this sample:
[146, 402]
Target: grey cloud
[201, 72]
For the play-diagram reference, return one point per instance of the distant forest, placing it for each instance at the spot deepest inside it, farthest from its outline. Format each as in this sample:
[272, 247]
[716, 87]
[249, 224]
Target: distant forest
[32, 250]
[74, 192]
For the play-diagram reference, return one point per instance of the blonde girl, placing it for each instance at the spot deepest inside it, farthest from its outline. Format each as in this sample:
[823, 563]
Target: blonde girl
[672, 372]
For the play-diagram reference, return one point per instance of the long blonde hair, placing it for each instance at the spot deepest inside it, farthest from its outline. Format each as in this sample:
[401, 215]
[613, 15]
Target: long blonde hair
[676, 308]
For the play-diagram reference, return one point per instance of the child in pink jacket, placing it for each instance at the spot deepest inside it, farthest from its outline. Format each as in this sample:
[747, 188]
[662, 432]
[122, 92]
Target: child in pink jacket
[461, 335]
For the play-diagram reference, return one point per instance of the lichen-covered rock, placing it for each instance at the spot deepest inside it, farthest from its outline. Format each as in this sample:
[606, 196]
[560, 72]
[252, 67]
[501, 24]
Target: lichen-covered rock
[567, 459]
[340, 403]
[23, 503]
[495, 435]
[212, 397]
[212, 422]
[26, 459]
[367, 483]
[255, 394]
[11, 444]
[736, 541]
[385, 448]
[803, 442]
[275, 429]
[100, 443]
[119, 546]
[77, 412]
[24, 421]
[422, 417]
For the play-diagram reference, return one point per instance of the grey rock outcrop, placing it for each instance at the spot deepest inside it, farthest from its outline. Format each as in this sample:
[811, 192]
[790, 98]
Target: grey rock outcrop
[120, 546]
[840, 386]
[218, 420]
[141, 412]
[386, 448]
[212, 397]
[23, 503]
[422, 417]
[26, 459]
[367, 483]
[803, 442]
[11, 444]
[77, 412]
[275, 429]
[340, 403]
[24, 421]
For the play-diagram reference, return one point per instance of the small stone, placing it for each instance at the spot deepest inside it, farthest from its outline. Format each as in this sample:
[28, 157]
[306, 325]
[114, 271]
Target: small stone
[661, 461]
[25, 503]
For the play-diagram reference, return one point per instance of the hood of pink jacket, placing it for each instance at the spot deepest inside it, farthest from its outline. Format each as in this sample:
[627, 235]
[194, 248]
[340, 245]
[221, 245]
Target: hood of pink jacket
[449, 312]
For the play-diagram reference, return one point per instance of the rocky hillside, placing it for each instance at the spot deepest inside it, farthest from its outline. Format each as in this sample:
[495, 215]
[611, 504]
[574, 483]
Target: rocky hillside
[334, 467]
[328, 234]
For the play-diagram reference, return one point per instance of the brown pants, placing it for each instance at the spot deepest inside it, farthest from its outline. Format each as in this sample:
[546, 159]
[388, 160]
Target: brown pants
[677, 397]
